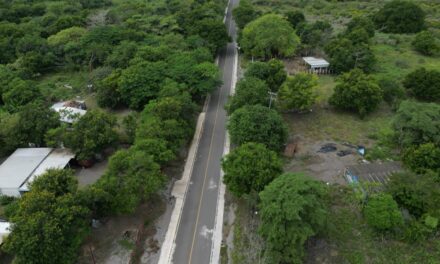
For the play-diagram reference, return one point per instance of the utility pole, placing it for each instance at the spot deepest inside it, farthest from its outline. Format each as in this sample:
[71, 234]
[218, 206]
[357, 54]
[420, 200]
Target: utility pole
[273, 97]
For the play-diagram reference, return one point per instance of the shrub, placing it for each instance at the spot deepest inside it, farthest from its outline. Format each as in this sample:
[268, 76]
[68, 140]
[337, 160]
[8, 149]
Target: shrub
[382, 212]
[400, 17]
[425, 43]
[423, 84]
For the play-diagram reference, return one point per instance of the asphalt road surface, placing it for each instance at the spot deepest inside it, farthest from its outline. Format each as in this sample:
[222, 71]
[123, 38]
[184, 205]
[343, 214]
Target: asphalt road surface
[195, 233]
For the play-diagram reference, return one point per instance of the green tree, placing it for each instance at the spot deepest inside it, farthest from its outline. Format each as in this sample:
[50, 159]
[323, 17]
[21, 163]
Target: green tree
[417, 123]
[361, 22]
[249, 168]
[35, 119]
[256, 123]
[213, 31]
[244, 13]
[382, 212]
[357, 92]
[419, 194]
[314, 35]
[49, 224]
[108, 93]
[345, 55]
[298, 92]
[422, 158]
[269, 36]
[423, 84]
[272, 72]
[292, 210]
[249, 91]
[91, 134]
[140, 83]
[8, 133]
[400, 17]
[156, 148]
[426, 43]
[132, 176]
[19, 94]
[295, 18]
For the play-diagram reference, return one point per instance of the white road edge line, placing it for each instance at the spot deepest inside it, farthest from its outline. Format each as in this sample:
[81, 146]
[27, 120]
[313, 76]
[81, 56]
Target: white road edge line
[218, 226]
[169, 244]
[179, 191]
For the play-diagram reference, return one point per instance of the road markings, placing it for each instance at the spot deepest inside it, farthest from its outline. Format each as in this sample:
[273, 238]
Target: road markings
[206, 169]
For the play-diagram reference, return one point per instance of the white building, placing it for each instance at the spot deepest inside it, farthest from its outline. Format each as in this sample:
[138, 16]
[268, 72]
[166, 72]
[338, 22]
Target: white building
[25, 164]
[317, 65]
[70, 111]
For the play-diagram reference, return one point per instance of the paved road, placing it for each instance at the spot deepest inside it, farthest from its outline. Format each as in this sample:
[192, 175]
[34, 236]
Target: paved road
[195, 233]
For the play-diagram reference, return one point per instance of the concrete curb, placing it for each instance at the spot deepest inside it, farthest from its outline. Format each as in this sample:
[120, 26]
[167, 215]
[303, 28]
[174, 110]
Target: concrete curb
[179, 191]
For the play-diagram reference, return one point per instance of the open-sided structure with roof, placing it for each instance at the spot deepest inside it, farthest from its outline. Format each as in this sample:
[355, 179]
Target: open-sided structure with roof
[25, 164]
[317, 65]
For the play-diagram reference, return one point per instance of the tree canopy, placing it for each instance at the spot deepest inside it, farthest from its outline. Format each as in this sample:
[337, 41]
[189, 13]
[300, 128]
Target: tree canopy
[417, 123]
[298, 92]
[249, 91]
[426, 43]
[423, 84]
[357, 92]
[292, 210]
[244, 13]
[400, 16]
[258, 124]
[49, 224]
[269, 36]
[249, 168]
[272, 72]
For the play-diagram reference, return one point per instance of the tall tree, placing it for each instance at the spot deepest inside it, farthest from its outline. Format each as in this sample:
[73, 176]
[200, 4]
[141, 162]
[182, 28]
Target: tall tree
[292, 210]
[49, 225]
[249, 168]
[269, 36]
[256, 123]
[244, 13]
[400, 16]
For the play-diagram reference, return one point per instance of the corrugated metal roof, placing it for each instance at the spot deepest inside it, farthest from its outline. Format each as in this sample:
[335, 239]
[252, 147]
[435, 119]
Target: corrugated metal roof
[27, 163]
[316, 62]
[22, 163]
[68, 114]
[57, 159]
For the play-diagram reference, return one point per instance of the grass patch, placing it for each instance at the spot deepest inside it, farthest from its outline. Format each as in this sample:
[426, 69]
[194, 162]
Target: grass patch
[328, 124]
[396, 58]
[63, 85]
[126, 244]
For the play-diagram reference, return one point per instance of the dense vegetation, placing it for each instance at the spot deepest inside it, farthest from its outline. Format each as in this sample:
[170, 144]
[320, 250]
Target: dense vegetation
[152, 57]
[378, 52]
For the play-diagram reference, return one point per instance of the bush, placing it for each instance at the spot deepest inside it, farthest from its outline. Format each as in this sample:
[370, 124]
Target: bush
[272, 72]
[357, 92]
[382, 212]
[417, 123]
[423, 84]
[258, 124]
[393, 92]
[422, 158]
[425, 43]
[400, 17]
[249, 91]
